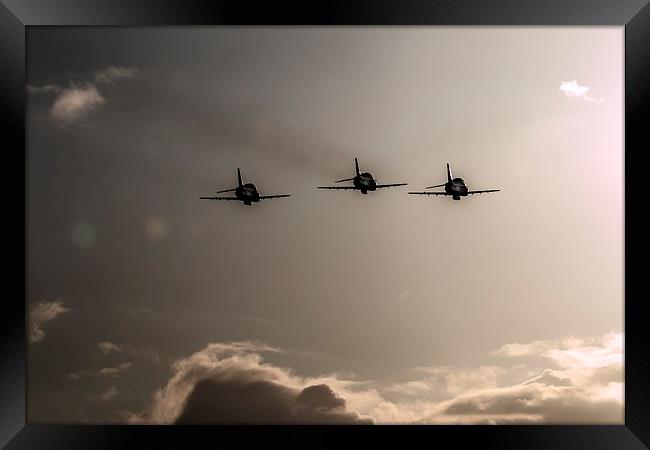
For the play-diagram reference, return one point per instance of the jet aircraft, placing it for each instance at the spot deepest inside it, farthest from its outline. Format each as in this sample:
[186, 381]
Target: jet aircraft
[363, 181]
[244, 192]
[455, 187]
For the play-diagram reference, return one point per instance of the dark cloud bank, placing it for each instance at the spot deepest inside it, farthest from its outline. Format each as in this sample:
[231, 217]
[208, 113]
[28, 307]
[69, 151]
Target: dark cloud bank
[236, 401]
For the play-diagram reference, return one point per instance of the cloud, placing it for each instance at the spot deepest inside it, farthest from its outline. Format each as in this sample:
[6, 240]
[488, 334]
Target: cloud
[569, 380]
[140, 310]
[73, 103]
[108, 347]
[41, 313]
[113, 371]
[586, 386]
[537, 402]
[574, 380]
[115, 73]
[146, 352]
[236, 401]
[229, 383]
[47, 89]
[572, 352]
[78, 100]
[109, 394]
[436, 384]
[549, 379]
[79, 374]
[573, 89]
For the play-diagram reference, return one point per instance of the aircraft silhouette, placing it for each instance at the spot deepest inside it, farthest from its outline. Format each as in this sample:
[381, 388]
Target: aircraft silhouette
[363, 182]
[455, 187]
[246, 193]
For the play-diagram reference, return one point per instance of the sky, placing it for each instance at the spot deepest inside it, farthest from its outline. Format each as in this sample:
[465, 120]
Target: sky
[148, 305]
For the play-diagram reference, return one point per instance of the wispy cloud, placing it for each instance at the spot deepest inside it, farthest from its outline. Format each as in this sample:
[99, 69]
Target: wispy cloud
[107, 348]
[115, 73]
[109, 393]
[113, 371]
[41, 313]
[79, 374]
[573, 89]
[76, 101]
[140, 310]
[571, 352]
[47, 89]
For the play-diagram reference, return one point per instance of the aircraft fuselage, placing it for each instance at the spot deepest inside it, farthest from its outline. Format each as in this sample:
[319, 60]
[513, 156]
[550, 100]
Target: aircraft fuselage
[247, 193]
[365, 182]
[456, 188]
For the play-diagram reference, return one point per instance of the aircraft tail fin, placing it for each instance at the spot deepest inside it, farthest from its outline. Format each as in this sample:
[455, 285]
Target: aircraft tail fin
[356, 165]
[239, 177]
[449, 175]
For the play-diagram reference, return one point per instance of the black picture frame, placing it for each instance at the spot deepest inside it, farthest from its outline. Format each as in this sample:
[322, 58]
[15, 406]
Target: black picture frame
[17, 16]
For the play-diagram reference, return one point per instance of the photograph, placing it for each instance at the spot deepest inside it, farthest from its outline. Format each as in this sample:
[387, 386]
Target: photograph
[323, 225]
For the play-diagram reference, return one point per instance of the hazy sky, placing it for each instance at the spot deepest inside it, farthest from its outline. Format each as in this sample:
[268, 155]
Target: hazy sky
[328, 305]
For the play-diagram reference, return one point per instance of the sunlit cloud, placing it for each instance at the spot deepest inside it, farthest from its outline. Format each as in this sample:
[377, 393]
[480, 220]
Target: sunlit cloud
[109, 393]
[585, 389]
[572, 352]
[108, 347]
[115, 73]
[73, 103]
[41, 313]
[40, 90]
[79, 374]
[573, 89]
[113, 371]
[128, 349]
[78, 100]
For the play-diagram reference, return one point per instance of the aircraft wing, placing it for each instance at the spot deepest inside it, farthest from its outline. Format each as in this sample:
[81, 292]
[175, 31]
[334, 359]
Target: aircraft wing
[429, 193]
[263, 197]
[336, 187]
[481, 192]
[390, 185]
[218, 198]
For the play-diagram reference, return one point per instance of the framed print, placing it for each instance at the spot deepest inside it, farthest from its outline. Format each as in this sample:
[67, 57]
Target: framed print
[273, 221]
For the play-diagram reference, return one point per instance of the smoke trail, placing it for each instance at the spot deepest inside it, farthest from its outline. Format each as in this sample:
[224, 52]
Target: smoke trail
[186, 129]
